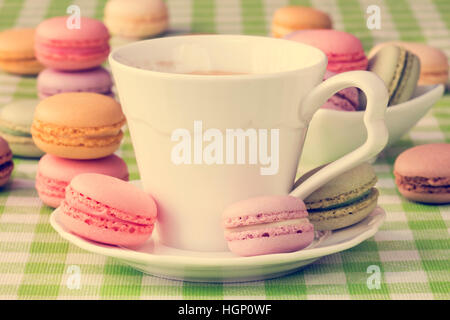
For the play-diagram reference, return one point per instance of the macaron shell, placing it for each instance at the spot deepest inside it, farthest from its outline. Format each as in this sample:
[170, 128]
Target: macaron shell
[22, 146]
[79, 109]
[291, 18]
[21, 67]
[137, 30]
[433, 198]
[86, 62]
[264, 204]
[115, 193]
[17, 44]
[108, 210]
[55, 173]
[50, 200]
[266, 245]
[63, 48]
[54, 31]
[17, 116]
[64, 170]
[422, 173]
[344, 50]
[136, 19]
[78, 152]
[112, 232]
[349, 185]
[341, 217]
[51, 82]
[427, 160]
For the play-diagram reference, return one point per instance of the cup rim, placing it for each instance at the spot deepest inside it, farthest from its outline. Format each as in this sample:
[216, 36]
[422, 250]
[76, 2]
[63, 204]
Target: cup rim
[322, 60]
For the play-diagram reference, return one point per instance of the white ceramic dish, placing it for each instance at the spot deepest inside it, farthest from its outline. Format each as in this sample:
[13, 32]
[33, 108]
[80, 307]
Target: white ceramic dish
[159, 260]
[331, 133]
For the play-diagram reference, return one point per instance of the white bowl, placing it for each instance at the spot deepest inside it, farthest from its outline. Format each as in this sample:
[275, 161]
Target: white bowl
[333, 133]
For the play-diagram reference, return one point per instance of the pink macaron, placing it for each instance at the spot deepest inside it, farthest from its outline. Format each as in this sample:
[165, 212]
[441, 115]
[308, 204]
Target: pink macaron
[63, 48]
[344, 100]
[422, 173]
[108, 210]
[54, 174]
[51, 82]
[344, 51]
[267, 224]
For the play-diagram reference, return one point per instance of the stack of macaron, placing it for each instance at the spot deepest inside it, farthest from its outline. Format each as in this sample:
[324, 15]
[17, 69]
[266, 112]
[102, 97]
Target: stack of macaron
[79, 131]
[136, 19]
[72, 56]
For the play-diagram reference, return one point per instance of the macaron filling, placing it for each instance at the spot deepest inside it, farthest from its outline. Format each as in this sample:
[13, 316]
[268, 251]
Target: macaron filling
[423, 185]
[256, 219]
[319, 204]
[87, 137]
[71, 53]
[345, 203]
[6, 168]
[47, 92]
[269, 229]
[343, 209]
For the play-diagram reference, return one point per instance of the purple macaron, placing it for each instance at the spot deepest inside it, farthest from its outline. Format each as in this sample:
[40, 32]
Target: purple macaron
[51, 82]
[344, 100]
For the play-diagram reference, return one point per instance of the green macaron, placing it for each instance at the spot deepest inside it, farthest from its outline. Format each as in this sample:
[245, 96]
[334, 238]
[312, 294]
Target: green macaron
[345, 200]
[15, 123]
[400, 71]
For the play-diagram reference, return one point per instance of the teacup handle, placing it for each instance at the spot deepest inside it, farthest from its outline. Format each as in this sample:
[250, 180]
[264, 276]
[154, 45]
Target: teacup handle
[377, 133]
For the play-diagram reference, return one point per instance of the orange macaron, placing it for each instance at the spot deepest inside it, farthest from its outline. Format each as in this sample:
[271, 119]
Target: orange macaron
[291, 18]
[78, 125]
[17, 52]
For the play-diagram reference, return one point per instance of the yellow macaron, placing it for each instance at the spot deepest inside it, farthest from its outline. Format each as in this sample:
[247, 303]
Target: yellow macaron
[78, 125]
[17, 52]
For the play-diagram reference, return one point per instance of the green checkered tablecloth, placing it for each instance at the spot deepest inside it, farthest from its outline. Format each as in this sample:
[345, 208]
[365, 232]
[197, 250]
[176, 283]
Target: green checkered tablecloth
[412, 249]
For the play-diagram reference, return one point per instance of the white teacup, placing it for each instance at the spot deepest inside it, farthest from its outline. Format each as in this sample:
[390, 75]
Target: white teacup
[276, 97]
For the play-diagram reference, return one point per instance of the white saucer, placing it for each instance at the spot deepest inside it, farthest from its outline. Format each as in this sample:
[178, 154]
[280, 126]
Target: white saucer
[159, 260]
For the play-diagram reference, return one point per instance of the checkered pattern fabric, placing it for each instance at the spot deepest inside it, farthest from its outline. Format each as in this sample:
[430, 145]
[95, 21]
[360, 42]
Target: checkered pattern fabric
[412, 249]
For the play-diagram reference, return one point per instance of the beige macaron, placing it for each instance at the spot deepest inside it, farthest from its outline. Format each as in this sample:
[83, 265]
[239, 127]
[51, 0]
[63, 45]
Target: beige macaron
[291, 18]
[137, 18]
[434, 65]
